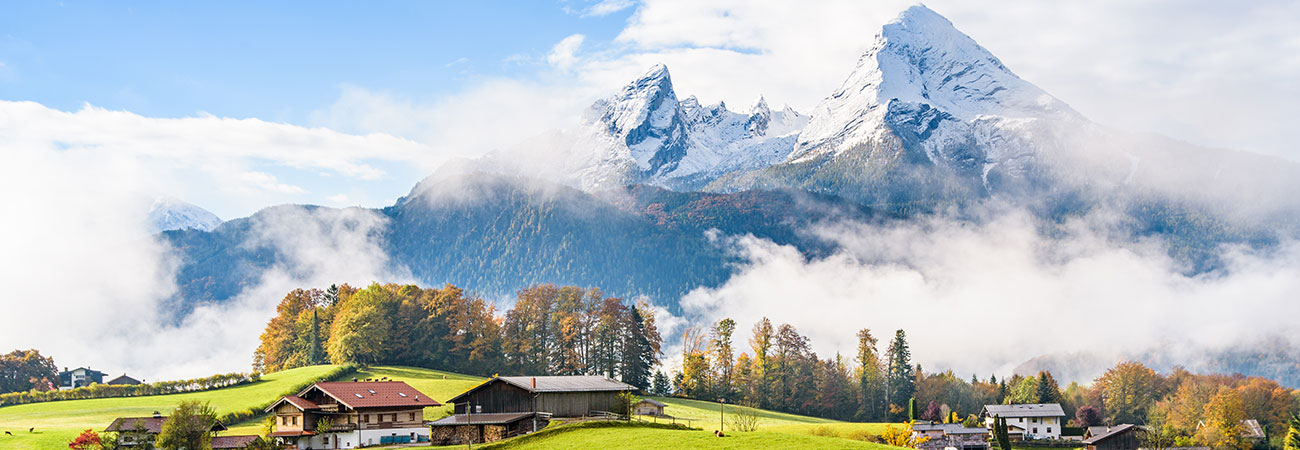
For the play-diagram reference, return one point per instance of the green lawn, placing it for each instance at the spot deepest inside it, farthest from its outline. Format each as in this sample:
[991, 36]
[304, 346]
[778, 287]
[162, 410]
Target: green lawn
[645, 438]
[58, 422]
[705, 414]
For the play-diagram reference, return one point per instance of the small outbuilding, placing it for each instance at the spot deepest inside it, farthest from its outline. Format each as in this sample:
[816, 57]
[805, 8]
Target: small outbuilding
[649, 407]
[459, 429]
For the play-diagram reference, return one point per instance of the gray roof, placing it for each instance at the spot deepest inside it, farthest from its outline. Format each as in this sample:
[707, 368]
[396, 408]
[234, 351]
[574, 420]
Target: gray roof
[1098, 430]
[949, 428]
[652, 402]
[487, 419]
[574, 383]
[1114, 431]
[1025, 410]
[1250, 429]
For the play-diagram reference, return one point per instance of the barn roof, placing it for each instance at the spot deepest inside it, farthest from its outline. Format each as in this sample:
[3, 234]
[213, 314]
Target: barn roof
[1025, 410]
[574, 383]
[480, 419]
[545, 384]
[1114, 431]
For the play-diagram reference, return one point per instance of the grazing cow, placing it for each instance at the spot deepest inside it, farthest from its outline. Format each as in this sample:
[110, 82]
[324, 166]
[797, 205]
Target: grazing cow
[31, 430]
[718, 433]
[7, 433]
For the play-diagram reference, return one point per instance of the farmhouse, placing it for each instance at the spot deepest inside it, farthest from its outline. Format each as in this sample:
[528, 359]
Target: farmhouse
[79, 377]
[954, 435]
[1120, 437]
[343, 414]
[559, 396]
[141, 432]
[649, 407]
[1036, 420]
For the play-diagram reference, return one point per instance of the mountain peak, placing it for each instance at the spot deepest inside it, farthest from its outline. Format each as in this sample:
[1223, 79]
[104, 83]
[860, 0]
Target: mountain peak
[921, 61]
[647, 116]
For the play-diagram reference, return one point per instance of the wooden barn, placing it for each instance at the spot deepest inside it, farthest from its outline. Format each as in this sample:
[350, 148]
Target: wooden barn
[649, 407]
[558, 396]
[1122, 437]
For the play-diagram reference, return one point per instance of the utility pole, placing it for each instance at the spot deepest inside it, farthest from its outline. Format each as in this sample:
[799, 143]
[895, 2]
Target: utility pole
[722, 402]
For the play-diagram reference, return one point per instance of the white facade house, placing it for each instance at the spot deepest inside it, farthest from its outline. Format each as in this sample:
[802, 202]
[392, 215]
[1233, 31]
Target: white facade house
[1038, 420]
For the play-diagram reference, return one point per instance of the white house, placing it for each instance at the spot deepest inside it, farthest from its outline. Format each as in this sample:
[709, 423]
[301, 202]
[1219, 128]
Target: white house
[1038, 420]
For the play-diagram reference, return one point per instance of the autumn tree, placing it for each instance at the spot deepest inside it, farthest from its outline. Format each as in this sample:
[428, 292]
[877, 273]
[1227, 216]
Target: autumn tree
[361, 332]
[26, 370]
[1087, 416]
[1223, 416]
[1292, 440]
[1129, 389]
[761, 343]
[871, 379]
[88, 440]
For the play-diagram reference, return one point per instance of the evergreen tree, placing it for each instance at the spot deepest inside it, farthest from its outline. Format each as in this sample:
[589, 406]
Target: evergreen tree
[1000, 435]
[639, 353]
[1002, 392]
[1048, 391]
[901, 378]
[661, 386]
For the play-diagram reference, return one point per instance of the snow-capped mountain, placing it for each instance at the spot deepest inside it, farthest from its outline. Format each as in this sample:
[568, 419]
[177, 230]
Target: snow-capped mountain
[644, 134]
[928, 116]
[172, 214]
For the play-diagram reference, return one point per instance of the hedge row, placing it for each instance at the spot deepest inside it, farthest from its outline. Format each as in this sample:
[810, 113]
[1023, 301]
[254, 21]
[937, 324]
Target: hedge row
[128, 390]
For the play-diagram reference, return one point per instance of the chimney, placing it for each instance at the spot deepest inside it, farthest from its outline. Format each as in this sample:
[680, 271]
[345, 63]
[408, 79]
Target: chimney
[534, 380]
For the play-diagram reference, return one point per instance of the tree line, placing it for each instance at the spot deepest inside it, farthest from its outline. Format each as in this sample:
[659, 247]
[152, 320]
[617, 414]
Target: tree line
[780, 371]
[550, 330]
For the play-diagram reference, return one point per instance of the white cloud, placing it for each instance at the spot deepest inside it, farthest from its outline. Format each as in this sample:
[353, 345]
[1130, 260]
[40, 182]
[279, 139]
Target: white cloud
[980, 298]
[563, 55]
[607, 7]
[87, 284]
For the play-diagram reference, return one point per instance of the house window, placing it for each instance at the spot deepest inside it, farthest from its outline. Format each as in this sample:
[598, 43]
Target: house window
[1021, 420]
[1049, 430]
[365, 418]
[1035, 430]
[295, 420]
[1034, 420]
[412, 417]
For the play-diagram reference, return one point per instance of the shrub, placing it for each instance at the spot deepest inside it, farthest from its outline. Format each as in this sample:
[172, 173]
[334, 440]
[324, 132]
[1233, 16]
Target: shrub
[824, 431]
[865, 436]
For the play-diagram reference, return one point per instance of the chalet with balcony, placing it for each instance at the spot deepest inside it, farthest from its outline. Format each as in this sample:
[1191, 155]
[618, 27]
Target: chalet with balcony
[351, 414]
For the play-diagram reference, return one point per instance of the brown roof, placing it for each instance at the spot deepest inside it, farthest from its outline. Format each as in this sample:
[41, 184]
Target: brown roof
[554, 383]
[232, 441]
[373, 394]
[1114, 431]
[152, 425]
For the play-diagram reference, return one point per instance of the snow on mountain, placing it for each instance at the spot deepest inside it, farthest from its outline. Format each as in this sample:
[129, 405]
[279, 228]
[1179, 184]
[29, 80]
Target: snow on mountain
[172, 214]
[645, 134]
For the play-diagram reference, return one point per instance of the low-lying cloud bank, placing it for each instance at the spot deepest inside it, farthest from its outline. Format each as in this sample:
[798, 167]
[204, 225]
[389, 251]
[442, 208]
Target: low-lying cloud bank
[982, 297]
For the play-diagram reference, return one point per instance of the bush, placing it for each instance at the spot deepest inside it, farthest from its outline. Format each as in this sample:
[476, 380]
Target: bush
[865, 436]
[744, 418]
[824, 431]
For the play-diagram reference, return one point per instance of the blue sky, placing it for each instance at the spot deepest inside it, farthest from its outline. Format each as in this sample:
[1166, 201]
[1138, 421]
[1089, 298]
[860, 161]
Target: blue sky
[272, 60]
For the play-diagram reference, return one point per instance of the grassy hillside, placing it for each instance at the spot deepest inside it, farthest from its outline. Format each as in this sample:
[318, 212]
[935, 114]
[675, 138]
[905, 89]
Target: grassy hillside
[606, 435]
[57, 422]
